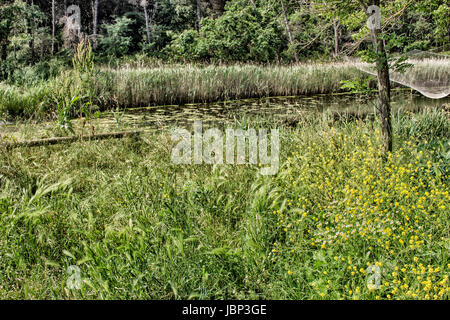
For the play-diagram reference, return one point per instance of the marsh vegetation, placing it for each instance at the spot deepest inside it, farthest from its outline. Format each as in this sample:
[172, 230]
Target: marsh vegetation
[345, 201]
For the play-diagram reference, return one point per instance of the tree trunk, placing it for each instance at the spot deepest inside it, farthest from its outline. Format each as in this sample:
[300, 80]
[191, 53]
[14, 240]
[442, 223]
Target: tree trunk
[29, 22]
[384, 88]
[3, 57]
[94, 20]
[147, 24]
[288, 27]
[4, 51]
[218, 7]
[31, 42]
[53, 26]
[336, 37]
[199, 14]
[70, 139]
[253, 3]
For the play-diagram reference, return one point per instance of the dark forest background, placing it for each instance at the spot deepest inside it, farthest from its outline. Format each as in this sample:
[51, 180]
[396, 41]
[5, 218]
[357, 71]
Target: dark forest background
[35, 40]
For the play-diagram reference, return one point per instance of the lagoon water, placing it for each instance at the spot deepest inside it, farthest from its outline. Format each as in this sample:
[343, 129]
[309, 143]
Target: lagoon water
[270, 111]
[274, 108]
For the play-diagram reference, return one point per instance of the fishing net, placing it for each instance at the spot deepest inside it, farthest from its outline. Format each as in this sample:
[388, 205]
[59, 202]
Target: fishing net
[429, 75]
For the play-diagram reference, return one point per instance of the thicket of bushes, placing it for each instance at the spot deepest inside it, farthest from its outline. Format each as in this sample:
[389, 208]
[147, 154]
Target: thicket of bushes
[228, 31]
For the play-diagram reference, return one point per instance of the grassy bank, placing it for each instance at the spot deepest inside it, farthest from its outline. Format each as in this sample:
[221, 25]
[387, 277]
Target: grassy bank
[140, 227]
[134, 87]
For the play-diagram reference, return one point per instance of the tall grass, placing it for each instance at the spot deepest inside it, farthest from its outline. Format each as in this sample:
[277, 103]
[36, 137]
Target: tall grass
[138, 226]
[26, 102]
[164, 85]
[431, 77]
[140, 87]
[134, 87]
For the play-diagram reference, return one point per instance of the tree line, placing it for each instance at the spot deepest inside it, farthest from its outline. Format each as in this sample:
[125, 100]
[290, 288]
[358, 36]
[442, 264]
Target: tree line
[214, 30]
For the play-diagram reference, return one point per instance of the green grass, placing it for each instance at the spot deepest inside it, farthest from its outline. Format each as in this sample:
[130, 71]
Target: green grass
[141, 87]
[134, 87]
[20, 101]
[140, 227]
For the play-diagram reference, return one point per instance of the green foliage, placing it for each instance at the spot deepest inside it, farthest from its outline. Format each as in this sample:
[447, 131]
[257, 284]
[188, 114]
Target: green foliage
[240, 34]
[312, 32]
[442, 24]
[396, 63]
[400, 64]
[43, 70]
[358, 86]
[185, 46]
[139, 227]
[118, 39]
[19, 28]
[74, 93]
[128, 86]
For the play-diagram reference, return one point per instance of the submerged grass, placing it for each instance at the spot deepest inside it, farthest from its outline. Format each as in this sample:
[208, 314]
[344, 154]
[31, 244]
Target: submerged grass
[140, 227]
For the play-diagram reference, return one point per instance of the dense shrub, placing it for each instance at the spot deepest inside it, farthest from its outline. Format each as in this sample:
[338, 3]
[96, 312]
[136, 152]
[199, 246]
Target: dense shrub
[240, 34]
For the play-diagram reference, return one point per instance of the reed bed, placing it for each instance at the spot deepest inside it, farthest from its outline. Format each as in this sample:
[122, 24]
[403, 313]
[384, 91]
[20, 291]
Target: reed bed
[168, 85]
[141, 87]
[428, 72]
[135, 87]
[429, 76]
[25, 102]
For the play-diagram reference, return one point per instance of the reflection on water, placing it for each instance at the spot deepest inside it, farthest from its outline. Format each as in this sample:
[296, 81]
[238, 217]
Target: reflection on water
[268, 110]
[274, 108]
